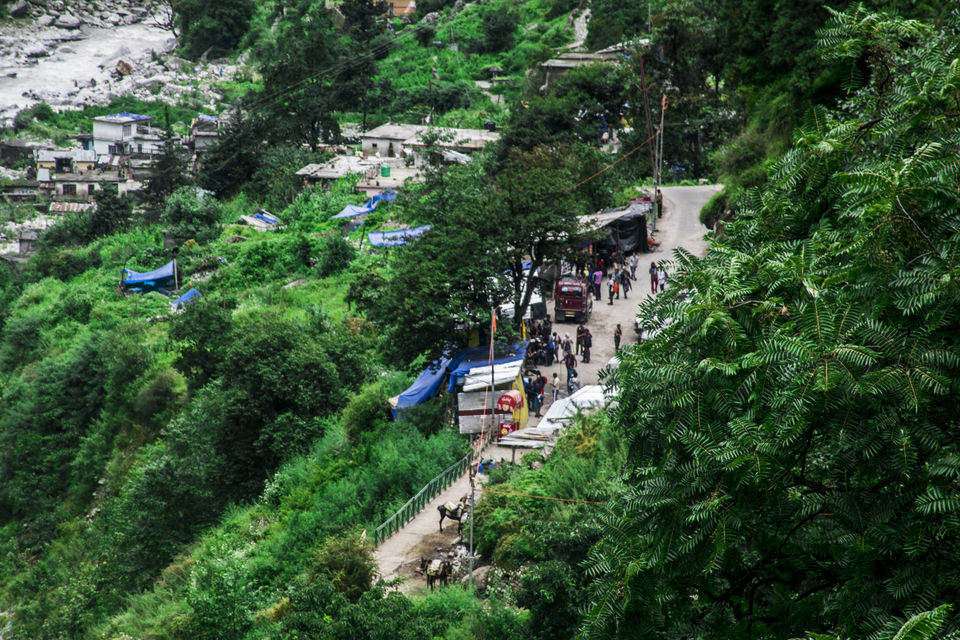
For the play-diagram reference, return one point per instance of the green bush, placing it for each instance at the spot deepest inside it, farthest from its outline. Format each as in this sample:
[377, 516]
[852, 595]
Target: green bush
[347, 561]
[365, 411]
[336, 254]
[190, 213]
[499, 30]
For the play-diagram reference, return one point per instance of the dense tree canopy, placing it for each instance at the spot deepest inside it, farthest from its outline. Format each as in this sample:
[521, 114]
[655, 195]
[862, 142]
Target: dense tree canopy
[794, 436]
[482, 225]
[214, 28]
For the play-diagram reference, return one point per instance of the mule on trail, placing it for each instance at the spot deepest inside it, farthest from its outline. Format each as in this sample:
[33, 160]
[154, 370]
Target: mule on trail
[437, 570]
[453, 511]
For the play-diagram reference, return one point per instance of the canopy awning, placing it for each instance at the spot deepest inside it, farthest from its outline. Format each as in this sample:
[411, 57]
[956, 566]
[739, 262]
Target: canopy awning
[510, 400]
[477, 357]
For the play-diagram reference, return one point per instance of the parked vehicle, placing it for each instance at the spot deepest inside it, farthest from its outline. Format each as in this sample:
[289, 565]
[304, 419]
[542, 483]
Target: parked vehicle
[573, 299]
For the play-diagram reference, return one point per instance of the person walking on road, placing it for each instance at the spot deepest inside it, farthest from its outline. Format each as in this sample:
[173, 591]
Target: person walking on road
[537, 388]
[571, 363]
[587, 344]
[610, 290]
[567, 345]
[551, 351]
[556, 386]
[617, 335]
[662, 278]
[653, 277]
[634, 263]
[625, 283]
[580, 331]
[597, 278]
[616, 283]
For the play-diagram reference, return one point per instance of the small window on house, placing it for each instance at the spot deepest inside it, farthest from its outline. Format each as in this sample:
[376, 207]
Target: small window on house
[139, 148]
[69, 189]
[91, 188]
[373, 145]
[126, 130]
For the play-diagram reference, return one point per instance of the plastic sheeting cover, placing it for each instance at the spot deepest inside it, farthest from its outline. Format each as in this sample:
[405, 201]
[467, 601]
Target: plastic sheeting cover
[352, 210]
[135, 277]
[395, 238]
[473, 357]
[266, 216]
[425, 386]
[185, 298]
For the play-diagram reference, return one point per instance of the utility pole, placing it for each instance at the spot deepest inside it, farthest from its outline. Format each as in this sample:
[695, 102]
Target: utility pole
[473, 464]
[664, 103]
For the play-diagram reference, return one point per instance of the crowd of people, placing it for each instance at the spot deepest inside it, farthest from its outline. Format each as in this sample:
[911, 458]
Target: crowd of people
[547, 347]
[624, 274]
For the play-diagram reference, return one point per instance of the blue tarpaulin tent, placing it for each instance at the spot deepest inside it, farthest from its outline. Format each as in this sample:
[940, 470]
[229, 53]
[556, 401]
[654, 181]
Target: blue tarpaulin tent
[266, 216]
[157, 280]
[424, 387]
[479, 356]
[395, 238]
[185, 298]
[352, 210]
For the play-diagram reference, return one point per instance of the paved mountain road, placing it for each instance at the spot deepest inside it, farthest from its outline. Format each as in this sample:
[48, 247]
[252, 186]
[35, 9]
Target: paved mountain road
[400, 554]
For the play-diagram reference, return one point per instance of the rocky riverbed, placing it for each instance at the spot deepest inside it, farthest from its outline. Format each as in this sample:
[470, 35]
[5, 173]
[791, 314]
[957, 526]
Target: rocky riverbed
[88, 52]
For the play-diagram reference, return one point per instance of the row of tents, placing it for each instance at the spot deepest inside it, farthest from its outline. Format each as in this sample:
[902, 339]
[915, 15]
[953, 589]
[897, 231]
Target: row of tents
[162, 280]
[480, 407]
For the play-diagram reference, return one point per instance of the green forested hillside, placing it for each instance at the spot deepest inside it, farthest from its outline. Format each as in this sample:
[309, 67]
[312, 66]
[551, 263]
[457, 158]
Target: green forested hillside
[783, 458]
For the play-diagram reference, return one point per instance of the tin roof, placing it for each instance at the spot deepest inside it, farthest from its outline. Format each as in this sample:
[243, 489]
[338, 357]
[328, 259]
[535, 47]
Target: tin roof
[122, 117]
[78, 155]
[71, 207]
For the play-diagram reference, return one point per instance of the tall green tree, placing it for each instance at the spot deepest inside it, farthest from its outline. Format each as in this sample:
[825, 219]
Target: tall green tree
[168, 170]
[211, 27]
[793, 427]
[311, 71]
[112, 213]
[490, 235]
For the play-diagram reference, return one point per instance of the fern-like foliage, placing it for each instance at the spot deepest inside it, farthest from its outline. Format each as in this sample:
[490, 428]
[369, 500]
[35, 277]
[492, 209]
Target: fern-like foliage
[794, 452]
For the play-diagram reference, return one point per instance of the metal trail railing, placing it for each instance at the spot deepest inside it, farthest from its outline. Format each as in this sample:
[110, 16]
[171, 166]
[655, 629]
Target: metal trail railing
[415, 504]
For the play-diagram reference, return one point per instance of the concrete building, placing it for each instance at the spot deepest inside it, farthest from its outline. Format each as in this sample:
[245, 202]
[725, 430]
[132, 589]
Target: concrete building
[395, 140]
[401, 7]
[66, 160]
[81, 187]
[27, 241]
[388, 139]
[124, 133]
[204, 132]
[457, 144]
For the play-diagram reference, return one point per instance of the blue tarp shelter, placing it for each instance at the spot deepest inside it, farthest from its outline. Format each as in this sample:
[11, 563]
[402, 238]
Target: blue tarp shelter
[473, 357]
[267, 217]
[161, 279]
[185, 298]
[352, 210]
[457, 366]
[424, 387]
[395, 238]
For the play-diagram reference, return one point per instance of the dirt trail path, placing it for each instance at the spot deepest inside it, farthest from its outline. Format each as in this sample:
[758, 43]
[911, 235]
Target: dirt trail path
[579, 30]
[400, 554]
